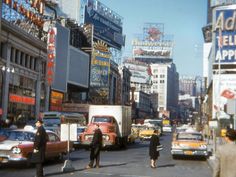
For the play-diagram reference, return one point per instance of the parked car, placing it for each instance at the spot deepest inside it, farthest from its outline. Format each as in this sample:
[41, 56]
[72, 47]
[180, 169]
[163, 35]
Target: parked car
[189, 143]
[18, 146]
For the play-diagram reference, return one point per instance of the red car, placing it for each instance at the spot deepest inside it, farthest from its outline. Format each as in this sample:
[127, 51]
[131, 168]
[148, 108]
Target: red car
[18, 146]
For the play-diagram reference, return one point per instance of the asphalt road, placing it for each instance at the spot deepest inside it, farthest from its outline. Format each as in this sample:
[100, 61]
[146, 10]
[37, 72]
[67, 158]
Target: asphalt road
[132, 162]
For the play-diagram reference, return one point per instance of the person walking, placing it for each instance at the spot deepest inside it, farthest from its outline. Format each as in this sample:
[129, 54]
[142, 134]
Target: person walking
[40, 142]
[226, 157]
[96, 146]
[153, 152]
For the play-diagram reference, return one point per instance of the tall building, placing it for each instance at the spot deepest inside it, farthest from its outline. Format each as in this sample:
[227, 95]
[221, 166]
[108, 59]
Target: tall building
[165, 83]
[187, 85]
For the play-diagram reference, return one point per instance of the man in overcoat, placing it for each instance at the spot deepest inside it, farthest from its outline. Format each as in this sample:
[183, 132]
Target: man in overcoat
[96, 146]
[40, 142]
[226, 157]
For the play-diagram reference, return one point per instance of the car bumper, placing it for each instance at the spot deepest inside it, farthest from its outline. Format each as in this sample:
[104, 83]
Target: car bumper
[105, 143]
[145, 137]
[187, 152]
[7, 159]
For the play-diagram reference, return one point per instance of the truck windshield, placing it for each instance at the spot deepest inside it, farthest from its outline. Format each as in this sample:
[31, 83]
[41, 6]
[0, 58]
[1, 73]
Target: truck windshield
[102, 119]
[51, 121]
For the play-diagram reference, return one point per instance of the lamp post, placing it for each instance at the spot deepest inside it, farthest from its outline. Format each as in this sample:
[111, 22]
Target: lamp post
[5, 87]
[199, 78]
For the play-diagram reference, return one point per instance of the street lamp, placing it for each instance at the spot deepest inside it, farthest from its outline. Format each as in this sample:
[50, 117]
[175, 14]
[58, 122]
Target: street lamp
[4, 70]
[200, 99]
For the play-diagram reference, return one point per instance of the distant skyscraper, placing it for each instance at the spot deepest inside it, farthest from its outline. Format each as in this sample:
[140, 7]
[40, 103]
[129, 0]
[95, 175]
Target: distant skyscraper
[187, 85]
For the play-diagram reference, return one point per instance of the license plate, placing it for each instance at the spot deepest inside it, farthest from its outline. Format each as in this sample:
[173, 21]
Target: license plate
[188, 152]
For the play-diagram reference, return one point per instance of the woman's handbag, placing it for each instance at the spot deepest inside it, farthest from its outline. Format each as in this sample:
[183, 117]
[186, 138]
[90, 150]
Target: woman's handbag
[159, 147]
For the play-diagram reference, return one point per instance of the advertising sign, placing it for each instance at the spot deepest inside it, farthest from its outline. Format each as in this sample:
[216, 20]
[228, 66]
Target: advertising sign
[155, 52]
[100, 65]
[222, 2]
[100, 68]
[225, 35]
[222, 91]
[56, 99]
[152, 49]
[51, 50]
[104, 29]
[27, 14]
[140, 72]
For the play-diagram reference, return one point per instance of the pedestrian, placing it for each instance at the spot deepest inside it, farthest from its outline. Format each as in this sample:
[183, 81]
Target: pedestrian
[40, 142]
[226, 157]
[153, 149]
[96, 146]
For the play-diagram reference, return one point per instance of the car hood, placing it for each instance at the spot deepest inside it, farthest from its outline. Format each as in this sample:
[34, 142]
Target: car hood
[147, 132]
[193, 144]
[9, 144]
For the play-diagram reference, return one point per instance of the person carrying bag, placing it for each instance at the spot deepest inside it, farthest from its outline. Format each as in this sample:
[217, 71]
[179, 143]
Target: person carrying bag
[154, 148]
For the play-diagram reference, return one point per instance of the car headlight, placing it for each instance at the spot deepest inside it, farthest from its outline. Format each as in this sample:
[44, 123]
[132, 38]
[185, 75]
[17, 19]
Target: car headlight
[203, 146]
[16, 150]
[106, 137]
[175, 146]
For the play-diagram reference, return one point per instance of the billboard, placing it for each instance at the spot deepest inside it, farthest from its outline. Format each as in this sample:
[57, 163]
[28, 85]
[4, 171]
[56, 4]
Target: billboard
[155, 52]
[104, 29]
[225, 34]
[100, 68]
[222, 91]
[140, 72]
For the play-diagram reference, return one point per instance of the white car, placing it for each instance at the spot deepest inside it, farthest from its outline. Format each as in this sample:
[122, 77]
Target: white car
[167, 128]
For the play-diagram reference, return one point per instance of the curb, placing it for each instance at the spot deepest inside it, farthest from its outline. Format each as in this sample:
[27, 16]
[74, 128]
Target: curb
[211, 162]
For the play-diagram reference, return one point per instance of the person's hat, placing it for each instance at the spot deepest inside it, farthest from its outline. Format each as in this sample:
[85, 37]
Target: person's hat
[39, 121]
[231, 134]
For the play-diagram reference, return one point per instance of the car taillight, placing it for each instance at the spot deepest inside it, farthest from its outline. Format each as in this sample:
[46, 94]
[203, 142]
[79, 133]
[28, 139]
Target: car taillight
[16, 150]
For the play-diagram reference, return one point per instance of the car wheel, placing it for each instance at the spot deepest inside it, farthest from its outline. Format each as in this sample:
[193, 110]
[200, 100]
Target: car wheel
[60, 156]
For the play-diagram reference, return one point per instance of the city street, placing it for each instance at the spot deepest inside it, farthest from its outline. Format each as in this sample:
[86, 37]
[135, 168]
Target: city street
[132, 162]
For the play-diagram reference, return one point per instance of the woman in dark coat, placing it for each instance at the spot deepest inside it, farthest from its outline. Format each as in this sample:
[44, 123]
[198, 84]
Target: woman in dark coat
[153, 153]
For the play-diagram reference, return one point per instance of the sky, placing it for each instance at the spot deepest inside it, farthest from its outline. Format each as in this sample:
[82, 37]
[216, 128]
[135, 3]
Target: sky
[183, 19]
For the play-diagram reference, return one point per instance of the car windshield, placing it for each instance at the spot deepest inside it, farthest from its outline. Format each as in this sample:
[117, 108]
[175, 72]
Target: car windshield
[80, 130]
[52, 121]
[102, 119]
[189, 136]
[20, 136]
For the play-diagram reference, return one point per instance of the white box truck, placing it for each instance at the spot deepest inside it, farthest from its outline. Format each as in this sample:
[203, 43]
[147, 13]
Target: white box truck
[114, 122]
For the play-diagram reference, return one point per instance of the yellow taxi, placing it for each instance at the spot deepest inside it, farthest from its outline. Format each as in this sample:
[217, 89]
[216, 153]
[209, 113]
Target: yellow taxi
[147, 132]
[189, 143]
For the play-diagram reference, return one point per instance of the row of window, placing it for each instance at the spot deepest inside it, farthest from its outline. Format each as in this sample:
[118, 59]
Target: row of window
[22, 59]
[161, 76]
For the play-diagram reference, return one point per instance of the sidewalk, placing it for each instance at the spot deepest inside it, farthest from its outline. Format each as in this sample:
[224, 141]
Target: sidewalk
[211, 159]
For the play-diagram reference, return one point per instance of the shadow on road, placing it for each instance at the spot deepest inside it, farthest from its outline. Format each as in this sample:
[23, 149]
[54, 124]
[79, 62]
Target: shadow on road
[62, 173]
[82, 169]
[166, 165]
[113, 165]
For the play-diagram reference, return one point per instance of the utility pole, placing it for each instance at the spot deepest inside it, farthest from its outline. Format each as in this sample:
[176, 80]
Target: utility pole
[0, 21]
